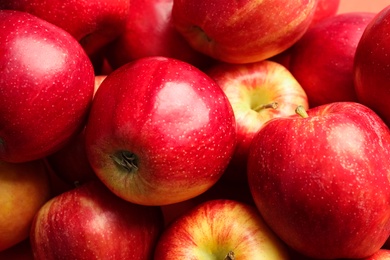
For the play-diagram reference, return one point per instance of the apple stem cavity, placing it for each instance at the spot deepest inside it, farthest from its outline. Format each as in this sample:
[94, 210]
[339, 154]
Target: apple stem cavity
[300, 110]
[126, 160]
[230, 256]
[273, 105]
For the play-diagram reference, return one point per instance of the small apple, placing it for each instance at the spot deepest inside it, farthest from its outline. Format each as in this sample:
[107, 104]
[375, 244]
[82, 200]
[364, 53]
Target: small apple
[322, 60]
[94, 23]
[242, 31]
[371, 66]
[150, 32]
[257, 92]
[24, 188]
[90, 222]
[160, 131]
[220, 229]
[46, 90]
[320, 180]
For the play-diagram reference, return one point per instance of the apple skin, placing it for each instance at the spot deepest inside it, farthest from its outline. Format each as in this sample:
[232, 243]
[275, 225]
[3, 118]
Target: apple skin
[214, 228]
[322, 60]
[382, 254]
[322, 185]
[94, 23]
[370, 70]
[160, 131]
[20, 251]
[325, 9]
[24, 188]
[47, 87]
[251, 88]
[90, 222]
[242, 32]
[150, 32]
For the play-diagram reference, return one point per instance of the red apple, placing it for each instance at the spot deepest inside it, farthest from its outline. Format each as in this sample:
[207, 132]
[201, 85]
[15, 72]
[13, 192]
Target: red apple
[24, 188]
[220, 229]
[242, 31]
[90, 222]
[150, 32]
[47, 87]
[371, 65]
[160, 131]
[321, 180]
[257, 92]
[93, 23]
[322, 60]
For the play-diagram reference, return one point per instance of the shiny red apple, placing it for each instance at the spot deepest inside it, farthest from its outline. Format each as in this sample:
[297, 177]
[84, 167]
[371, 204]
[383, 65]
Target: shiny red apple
[320, 180]
[90, 222]
[160, 131]
[46, 90]
[242, 31]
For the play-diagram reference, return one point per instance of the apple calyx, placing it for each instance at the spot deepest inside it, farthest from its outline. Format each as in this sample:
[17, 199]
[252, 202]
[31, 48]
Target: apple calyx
[201, 33]
[300, 110]
[273, 105]
[127, 160]
[230, 256]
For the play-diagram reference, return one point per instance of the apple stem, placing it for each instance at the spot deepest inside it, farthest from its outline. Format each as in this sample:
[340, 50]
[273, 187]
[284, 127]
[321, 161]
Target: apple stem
[300, 110]
[127, 160]
[273, 105]
[230, 256]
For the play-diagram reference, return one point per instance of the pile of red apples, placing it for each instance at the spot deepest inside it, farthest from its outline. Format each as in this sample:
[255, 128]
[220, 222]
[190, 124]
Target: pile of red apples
[194, 129]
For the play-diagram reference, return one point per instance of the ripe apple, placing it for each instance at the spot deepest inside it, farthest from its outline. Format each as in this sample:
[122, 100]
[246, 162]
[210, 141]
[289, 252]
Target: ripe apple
[93, 23]
[322, 60]
[371, 66]
[24, 188]
[257, 92]
[150, 32]
[47, 87]
[220, 229]
[321, 182]
[90, 222]
[242, 31]
[160, 131]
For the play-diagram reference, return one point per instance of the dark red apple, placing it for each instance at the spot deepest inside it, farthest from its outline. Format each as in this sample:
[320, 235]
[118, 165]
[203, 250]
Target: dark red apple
[90, 222]
[322, 60]
[150, 32]
[321, 180]
[371, 65]
[46, 90]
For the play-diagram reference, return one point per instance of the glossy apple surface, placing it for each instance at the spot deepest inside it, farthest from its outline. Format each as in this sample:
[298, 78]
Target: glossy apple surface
[93, 23]
[242, 31]
[257, 92]
[150, 32]
[321, 181]
[371, 66]
[90, 222]
[24, 188]
[160, 131]
[47, 87]
[322, 60]
[325, 9]
[220, 229]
